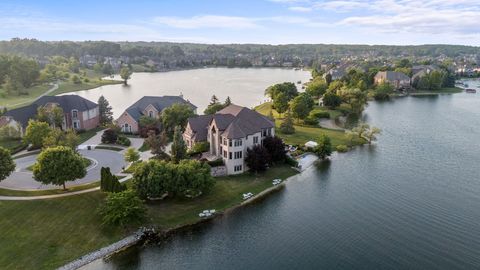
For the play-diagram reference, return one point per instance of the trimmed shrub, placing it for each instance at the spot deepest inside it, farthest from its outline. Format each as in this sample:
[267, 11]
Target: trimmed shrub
[311, 121]
[123, 140]
[199, 148]
[320, 114]
[216, 163]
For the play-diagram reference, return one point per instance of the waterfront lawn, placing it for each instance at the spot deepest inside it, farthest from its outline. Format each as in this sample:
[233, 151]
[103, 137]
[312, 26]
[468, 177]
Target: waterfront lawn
[11, 192]
[305, 133]
[45, 234]
[14, 101]
[227, 192]
[446, 90]
[69, 86]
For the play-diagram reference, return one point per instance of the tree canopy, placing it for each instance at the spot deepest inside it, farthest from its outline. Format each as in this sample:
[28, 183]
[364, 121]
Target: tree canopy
[176, 115]
[7, 165]
[58, 165]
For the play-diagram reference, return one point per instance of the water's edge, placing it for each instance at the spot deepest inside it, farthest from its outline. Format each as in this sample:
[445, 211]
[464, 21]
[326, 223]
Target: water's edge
[145, 235]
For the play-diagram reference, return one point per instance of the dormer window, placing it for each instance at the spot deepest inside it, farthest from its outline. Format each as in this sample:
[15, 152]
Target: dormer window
[150, 113]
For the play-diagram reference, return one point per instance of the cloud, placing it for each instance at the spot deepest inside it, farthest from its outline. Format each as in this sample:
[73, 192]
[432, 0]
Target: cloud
[208, 21]
[459, 17]
[300, 9]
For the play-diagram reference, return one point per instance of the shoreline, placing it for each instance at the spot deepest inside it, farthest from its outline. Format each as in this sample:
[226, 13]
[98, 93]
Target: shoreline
[144, 235]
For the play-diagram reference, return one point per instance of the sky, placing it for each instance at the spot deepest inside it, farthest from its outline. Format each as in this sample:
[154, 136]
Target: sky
[391, 22]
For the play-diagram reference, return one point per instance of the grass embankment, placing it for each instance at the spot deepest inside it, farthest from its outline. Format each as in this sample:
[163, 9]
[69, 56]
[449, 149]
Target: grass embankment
[93, 80]
[14, 101]
[305, 133]
[447, 90]
[46, 234]
[10, 192]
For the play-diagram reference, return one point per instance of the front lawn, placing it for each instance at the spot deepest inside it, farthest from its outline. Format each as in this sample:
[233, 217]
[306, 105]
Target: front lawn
[87, 134]
[305, 133]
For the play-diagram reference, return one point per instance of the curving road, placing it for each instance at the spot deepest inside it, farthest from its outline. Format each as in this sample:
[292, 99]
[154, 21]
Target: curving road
[22, 179]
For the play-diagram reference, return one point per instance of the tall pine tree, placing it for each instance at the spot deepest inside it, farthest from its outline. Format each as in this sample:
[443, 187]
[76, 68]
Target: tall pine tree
[179, 149]
[105, 111]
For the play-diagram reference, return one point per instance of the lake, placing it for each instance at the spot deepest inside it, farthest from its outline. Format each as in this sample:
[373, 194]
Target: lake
[411, 201]
[245, 86]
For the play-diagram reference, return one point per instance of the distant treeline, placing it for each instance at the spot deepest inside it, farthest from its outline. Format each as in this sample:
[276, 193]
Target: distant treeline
[202, 52]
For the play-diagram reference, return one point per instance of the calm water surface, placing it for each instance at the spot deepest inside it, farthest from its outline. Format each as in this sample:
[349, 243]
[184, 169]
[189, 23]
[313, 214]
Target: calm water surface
[412, 201]
[245, 86]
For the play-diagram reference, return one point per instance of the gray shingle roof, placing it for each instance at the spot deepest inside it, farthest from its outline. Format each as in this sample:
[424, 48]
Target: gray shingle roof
[393, 76]
[235, 122]
[159, 102]
[66, 102]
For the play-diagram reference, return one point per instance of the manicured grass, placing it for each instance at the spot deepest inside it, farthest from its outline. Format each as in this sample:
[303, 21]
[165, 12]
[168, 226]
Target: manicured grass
[86, 135]
[304, 134]
[12, 145]
[451, 90]
[69, 86]
[226, 193]
[144, 147]
[15, 101]
[112, 148]
[45, 234]
[10, 192]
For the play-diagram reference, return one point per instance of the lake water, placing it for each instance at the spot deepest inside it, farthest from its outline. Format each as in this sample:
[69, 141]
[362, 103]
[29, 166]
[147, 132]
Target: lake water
[245, 86]
[412, 201]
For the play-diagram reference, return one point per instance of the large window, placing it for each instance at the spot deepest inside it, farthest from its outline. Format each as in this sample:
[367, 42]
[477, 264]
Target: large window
[237, 168]
[238, 154]
[229, 155]
[238, 143]
[74, 114]
[255, 139]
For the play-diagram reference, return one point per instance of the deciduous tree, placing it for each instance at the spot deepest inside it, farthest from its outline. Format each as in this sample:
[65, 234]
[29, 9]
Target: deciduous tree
[105, 111]
[58, 165]
[179, 148]
[7, 165]
[122, 208]
[324, 147]
[257, 158]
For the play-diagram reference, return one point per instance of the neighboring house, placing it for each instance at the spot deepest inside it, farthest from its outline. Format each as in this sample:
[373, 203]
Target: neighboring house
[79, 113]
[230, 132]
[397, 79]
[422, 70]
[336, 73]
[150, 106]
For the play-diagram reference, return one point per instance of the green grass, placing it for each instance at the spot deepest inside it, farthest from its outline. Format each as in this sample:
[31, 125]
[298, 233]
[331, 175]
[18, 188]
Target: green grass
[112, 148]
[12, 144]
[69, 86]
[15, 101]
[86, 135]
[144, 147]
[45, 234]
[10, 192]
[304, 134]
[226, 193]
[447, 90]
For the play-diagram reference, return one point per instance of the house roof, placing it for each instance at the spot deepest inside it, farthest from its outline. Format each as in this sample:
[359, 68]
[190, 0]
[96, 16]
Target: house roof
[199, 125]
[392, 76]
[235, 122]
[66, 102]
[159, 102]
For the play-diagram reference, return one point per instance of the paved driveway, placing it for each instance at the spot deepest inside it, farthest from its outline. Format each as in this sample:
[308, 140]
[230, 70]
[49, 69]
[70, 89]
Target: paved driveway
[23, 179]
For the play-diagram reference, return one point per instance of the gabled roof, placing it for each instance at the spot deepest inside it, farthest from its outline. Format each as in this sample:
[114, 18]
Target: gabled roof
[199, 125]
[392, 76]
[235, 122]
[159, 102]
[66, 102]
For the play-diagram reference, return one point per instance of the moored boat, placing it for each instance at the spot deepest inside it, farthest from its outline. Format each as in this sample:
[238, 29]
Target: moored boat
[469, 90]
